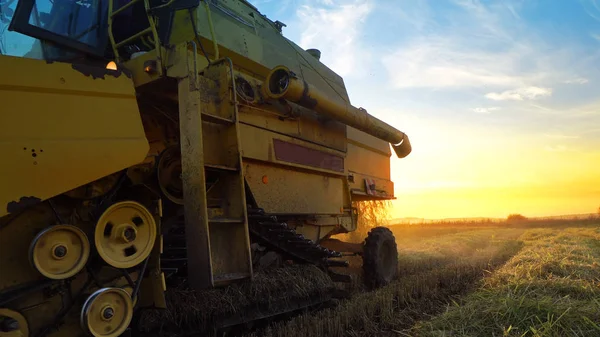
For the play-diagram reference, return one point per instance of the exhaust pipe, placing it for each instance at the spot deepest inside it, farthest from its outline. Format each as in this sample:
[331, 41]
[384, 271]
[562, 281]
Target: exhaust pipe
[283, 83]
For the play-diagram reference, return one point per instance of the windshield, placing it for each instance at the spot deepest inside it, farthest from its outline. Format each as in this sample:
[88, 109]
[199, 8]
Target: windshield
[13, 43]
[64, 26]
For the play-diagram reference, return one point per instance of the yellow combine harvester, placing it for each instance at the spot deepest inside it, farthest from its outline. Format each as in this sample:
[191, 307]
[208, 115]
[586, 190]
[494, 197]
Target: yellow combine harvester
[148, 144]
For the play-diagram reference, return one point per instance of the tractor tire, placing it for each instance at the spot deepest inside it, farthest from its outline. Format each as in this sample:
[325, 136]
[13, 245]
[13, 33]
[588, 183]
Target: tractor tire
[380, 258]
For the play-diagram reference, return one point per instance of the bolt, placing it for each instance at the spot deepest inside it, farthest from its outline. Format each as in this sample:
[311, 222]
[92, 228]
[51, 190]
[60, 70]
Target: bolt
[108, 313]
[60, 251]
[130, 234]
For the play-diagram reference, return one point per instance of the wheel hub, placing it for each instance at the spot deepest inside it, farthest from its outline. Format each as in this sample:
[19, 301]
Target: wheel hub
[59, 252]
[128, 233]
[107, 312]
[125, 234]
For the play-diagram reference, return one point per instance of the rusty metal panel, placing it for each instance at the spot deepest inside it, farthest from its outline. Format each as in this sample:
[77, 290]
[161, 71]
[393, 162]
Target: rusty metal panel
[194, 182]
[298, 154]
[281, 190]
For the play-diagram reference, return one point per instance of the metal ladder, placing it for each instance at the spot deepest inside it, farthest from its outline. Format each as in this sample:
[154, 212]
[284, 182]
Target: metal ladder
[151, 30]
[216, 220]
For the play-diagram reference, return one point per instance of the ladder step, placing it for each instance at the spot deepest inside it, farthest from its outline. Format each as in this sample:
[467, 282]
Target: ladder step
[223, 278]
[221, 167]
[216, 119]
[133, 38]
[226, 220]
[122, 8]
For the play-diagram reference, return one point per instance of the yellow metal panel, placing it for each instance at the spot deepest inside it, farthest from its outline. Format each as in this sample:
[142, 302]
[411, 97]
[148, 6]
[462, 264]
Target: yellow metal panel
[269, 120]
[283, 190]
[258, 144]
[36, 75]
[138, 67]
[366, 161]
[253, 44]
[60, 129]
[376, 144]
[384, 188]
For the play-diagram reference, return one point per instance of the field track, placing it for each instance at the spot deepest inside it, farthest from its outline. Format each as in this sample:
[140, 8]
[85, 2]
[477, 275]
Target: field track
[530, 279]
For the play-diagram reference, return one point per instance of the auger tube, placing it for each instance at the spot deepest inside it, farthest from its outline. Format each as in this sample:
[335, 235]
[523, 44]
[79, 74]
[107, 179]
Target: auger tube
[282, 83]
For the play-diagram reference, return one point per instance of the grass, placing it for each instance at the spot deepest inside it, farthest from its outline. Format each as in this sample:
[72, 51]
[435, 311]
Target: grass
[551, 288]
[188, 310]
[524, 280]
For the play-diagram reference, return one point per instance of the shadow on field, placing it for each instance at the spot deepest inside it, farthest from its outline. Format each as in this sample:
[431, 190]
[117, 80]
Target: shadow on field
[433, 272]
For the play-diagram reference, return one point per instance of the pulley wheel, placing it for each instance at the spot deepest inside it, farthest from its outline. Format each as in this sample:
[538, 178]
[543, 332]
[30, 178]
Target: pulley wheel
[59, 252]
[107, 312]
[169, 174]
[125, 234]
[13, 324]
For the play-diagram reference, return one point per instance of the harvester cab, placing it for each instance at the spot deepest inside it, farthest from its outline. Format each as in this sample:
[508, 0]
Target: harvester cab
[152, 147]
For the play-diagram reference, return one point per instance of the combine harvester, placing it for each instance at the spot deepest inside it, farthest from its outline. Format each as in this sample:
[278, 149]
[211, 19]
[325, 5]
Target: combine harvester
[158, 154]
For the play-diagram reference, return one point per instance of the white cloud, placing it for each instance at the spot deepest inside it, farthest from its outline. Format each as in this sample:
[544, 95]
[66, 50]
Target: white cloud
[592, 7]
[573, 111]
[333, 27]
[596, 36]
[556, 148]
[520, 94]
[441, 63]
[485, 110]
[577, 80]
[560, 136]
[491, 47]
[591, 131]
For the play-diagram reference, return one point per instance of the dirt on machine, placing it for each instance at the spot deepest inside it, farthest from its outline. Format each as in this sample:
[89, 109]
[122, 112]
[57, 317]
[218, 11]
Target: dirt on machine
[176, 167]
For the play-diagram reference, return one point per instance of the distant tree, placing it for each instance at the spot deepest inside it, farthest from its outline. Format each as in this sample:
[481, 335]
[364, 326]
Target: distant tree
[516, 217]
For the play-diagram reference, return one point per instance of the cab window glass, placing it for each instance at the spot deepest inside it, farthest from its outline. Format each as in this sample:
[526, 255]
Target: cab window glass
[79, 20]
[13, 43]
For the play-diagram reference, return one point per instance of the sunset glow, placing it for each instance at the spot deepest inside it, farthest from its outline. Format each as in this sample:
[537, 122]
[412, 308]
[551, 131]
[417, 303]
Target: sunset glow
[500, 99]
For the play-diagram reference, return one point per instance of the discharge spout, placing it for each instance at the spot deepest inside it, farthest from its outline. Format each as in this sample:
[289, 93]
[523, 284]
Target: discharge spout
[282, 83]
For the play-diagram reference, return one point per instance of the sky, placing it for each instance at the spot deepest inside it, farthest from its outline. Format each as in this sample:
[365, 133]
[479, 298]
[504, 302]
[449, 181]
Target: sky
[501, 99]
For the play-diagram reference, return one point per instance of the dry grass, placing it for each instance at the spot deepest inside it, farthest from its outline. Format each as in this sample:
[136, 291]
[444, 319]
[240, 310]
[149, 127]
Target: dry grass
[272, 289]
[551, 288]
[432, 273]
[525, 280]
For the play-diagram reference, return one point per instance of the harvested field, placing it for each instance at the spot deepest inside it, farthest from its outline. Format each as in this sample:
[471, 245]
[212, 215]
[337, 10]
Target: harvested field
[271, 290]
[526, 279]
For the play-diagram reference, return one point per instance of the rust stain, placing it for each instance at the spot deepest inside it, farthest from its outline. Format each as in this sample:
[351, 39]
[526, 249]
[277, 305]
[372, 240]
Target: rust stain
[306, 100]
[23, 203]
[99, 72]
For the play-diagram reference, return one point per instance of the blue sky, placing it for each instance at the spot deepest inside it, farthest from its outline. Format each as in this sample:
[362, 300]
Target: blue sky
[499, 98]
[492, 93]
